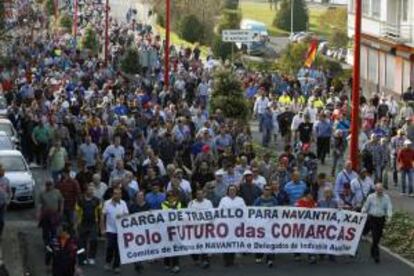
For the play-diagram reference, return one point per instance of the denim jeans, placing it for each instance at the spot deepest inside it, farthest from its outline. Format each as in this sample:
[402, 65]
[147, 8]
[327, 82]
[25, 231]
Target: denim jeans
[410, 175]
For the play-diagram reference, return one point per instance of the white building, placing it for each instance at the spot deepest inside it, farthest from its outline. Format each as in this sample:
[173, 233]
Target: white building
[387, 50]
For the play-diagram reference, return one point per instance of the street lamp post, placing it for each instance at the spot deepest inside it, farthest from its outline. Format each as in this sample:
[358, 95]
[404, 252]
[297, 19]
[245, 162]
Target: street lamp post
[106, 53]
[75, 19]
[292, 5]
[167, 43]
[356, 87]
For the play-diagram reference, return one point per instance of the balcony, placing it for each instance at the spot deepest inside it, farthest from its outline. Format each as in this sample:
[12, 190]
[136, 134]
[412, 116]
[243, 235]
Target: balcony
[402, 33]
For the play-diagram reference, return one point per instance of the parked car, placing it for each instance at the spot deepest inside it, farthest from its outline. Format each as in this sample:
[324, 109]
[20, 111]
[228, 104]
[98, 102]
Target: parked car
[258, 47]
[21, 179]
[6, 142]
[8, 128]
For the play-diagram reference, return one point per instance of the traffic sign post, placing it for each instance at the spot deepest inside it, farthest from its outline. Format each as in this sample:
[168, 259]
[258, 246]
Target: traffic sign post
[237, 36]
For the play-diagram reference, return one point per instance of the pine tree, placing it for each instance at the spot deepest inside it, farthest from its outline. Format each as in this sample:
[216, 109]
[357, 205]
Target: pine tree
[300, 16]
[90, 41]
[130, 62]
[228, 96]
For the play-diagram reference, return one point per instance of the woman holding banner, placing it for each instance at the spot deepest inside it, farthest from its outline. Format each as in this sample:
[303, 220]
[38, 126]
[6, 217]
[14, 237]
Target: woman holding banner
[231, 200]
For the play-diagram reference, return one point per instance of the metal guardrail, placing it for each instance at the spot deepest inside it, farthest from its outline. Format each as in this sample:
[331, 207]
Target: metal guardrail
[399, 32]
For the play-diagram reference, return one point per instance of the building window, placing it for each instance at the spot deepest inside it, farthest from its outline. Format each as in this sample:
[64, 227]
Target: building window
[404, 10]
[390, 72]
[351, 6]
[373, 66]
[365, 7]
[376, 8]
[364, 56]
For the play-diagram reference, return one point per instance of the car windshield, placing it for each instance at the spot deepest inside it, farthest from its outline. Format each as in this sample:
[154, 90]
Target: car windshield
[3, 103]
[5, 143]
[6, 128]
[13, 163]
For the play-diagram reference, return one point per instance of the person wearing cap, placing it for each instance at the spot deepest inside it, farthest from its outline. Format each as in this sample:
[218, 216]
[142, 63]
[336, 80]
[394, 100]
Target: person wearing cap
[362, 186]
[344, 177]
[378, 154]
[184, 184]
[405, 159]
[379, 209]
[248, 190]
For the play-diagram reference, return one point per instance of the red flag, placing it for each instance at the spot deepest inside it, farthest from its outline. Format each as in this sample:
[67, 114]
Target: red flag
[311, 55]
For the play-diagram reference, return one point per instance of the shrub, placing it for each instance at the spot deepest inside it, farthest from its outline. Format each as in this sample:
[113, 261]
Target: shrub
[283, 15]
[161, 20]
[230, 19]
[191, 29]
[221, 49]
[130, 62]
[338, 39]
[399, 235]
[228, 96]
[293, 58]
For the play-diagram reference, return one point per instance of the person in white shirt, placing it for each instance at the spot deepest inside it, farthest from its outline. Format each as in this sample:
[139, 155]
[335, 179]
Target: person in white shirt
[201, 203]
[296, 121]
[100, 187]
[231, 200]
[260, 105]
[258, 179]
[362, 186]
[113, 209]
[379, 209]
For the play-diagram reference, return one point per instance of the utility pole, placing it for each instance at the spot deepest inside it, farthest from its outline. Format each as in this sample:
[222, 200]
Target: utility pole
[356, 87]
[106, 53]
[75, 19]
[292, 6]
[167, 43]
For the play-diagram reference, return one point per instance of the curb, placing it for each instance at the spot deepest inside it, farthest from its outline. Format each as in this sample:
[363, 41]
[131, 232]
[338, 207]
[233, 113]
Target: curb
[398, 257]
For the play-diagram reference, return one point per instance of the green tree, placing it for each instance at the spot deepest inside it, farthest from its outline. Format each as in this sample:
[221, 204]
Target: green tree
[91, 41]
[293, 58]
[50, 7]
[2, 15]
[338, 39]
[221, 49]
[300, 16]
[130, 62]
[228, 96]
[191, 29]
[229, 19]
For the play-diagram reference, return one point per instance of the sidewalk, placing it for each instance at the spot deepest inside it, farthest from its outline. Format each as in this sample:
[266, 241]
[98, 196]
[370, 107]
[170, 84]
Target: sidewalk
[400, 203]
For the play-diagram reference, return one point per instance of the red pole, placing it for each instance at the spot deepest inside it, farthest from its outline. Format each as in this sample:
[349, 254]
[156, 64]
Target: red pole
[167, 43]
[106, 31]
[356, 87]
[75, 19]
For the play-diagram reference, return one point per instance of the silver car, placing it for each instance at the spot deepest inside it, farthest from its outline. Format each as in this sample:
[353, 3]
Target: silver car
[6, 142]
[3, 107]
[21, 179]
[8, 128]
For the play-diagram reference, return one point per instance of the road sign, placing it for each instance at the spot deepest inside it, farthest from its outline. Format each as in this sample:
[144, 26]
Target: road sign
[237, 36]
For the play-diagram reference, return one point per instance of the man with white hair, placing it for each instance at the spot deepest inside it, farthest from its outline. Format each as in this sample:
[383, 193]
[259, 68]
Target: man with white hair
[100, 187]
[379, 209]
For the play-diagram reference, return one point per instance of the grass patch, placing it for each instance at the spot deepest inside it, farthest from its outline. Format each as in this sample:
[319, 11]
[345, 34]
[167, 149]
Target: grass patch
[178, 42]
[260, 11]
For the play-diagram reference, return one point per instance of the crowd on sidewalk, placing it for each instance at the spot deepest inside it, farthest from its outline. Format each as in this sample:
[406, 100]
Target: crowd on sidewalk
[115, 145]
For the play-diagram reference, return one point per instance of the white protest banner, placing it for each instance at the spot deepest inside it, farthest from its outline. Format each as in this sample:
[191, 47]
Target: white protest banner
[158, 234]
[239, 36]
